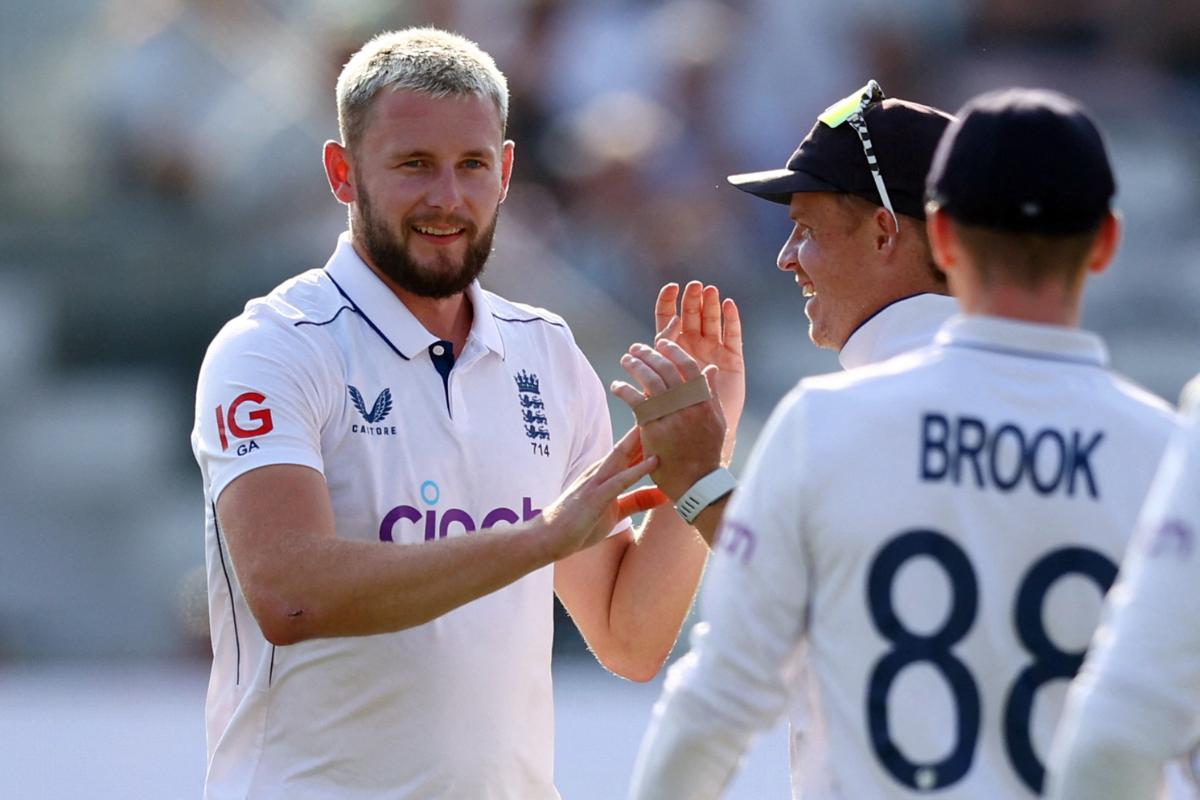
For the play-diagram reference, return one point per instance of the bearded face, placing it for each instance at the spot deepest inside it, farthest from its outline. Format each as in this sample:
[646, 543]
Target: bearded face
[438, 276]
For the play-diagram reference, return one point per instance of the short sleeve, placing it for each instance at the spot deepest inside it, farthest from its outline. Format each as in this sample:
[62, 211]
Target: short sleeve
[260, 400]
[593, 437]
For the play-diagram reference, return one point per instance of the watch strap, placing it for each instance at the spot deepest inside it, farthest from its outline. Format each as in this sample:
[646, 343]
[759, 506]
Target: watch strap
[704, 492]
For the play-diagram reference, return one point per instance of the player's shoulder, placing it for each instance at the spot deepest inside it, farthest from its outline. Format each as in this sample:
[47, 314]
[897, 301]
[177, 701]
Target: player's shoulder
[292, 315]
[1138, 405]
[511, 312]
[856, 401]
[917, 370]
[530, 328]
[1189, 398]
[310, 298]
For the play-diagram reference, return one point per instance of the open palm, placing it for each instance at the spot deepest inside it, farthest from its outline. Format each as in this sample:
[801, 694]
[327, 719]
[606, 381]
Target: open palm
[711, 332]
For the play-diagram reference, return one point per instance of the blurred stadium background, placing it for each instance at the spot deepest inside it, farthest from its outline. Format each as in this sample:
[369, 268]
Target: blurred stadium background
[160, 164]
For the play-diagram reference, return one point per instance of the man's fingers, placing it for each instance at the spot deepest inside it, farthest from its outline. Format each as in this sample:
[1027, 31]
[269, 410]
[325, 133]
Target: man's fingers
[711, 373]
[626, 392]
[732, 325]
[628, 444]
[711, 313]
[638, 452]
[664, 306]
[620, 456]
[612, 488]
[654, 361]
[640, 371]
[693, 303]
[683, 362]
[670, 330]
[642, 499]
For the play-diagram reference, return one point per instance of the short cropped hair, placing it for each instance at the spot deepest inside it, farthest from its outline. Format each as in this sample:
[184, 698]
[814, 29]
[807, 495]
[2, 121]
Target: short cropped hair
[428, 60]
[1028, 260]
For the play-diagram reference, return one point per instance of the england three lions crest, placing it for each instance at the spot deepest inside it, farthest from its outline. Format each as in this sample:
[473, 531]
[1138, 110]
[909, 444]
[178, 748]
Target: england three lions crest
[533, 412]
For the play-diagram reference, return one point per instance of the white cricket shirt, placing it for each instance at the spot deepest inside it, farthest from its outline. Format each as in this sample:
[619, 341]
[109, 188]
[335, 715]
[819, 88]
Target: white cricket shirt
[929, 538]
[897, 328]
[331, 371]
[1136, 703]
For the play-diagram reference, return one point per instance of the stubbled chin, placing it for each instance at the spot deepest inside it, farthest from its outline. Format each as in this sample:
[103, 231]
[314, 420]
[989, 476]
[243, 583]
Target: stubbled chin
[817, 332]
[438, 254]
[811, 309]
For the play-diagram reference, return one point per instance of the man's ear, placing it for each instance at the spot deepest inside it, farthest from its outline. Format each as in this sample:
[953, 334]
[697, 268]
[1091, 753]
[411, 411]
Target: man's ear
[340, 172]
[1105, 247]
[506, 165]
[885, 229]
[943, 244]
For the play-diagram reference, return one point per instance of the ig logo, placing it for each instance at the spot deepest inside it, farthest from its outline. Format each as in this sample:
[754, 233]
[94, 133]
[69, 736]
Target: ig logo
[260, 422]
[438, 526]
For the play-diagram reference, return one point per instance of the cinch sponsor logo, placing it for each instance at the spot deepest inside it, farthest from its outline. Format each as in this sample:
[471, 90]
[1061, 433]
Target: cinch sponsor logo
[377, 414]
[438, 525]
[259, 422]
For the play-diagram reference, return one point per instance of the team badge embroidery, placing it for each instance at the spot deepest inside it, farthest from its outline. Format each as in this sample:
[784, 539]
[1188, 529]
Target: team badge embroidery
[379, 411]
[533, 412]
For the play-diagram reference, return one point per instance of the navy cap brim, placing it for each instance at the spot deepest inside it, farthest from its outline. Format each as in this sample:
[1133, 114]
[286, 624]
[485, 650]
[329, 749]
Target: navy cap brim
[778, 185]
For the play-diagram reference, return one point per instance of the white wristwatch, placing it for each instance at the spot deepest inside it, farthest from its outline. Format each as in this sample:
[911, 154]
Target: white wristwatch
[704, 492]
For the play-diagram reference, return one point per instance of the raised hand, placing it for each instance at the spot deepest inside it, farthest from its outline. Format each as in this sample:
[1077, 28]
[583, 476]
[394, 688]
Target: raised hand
[711, 332]
[688, 442]
[590, 508]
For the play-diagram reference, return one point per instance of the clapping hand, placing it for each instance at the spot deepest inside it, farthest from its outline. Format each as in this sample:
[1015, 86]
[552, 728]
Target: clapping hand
[687, 442]
[710, 331]
[592, 506]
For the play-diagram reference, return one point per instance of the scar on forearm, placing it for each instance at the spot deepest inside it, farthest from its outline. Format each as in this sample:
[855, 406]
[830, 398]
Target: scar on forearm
[296, 613]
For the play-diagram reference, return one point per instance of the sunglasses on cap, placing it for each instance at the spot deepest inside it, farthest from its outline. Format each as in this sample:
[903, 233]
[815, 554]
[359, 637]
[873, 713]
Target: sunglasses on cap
[852, 109]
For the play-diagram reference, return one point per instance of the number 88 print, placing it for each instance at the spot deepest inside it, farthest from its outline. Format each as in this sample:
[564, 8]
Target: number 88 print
[1048, 661]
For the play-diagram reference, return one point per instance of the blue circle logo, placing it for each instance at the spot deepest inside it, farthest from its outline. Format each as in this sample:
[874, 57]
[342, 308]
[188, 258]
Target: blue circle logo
[430, 493]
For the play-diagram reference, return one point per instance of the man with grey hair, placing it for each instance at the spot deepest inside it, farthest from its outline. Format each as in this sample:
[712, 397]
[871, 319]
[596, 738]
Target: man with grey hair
[400, 470]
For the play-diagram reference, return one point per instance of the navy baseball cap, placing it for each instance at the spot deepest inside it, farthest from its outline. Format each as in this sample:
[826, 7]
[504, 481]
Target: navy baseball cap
[831, 159]
[1025, 161]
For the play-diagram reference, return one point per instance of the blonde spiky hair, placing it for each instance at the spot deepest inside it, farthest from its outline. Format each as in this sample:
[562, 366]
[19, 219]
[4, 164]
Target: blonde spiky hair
[428, 60]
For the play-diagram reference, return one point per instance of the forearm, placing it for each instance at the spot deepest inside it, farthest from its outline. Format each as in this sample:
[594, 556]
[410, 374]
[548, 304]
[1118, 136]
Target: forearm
[302, 581]
[655, 587]
[353, 588]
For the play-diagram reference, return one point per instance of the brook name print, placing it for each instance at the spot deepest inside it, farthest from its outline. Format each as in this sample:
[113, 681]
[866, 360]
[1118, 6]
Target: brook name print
[964, 450]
